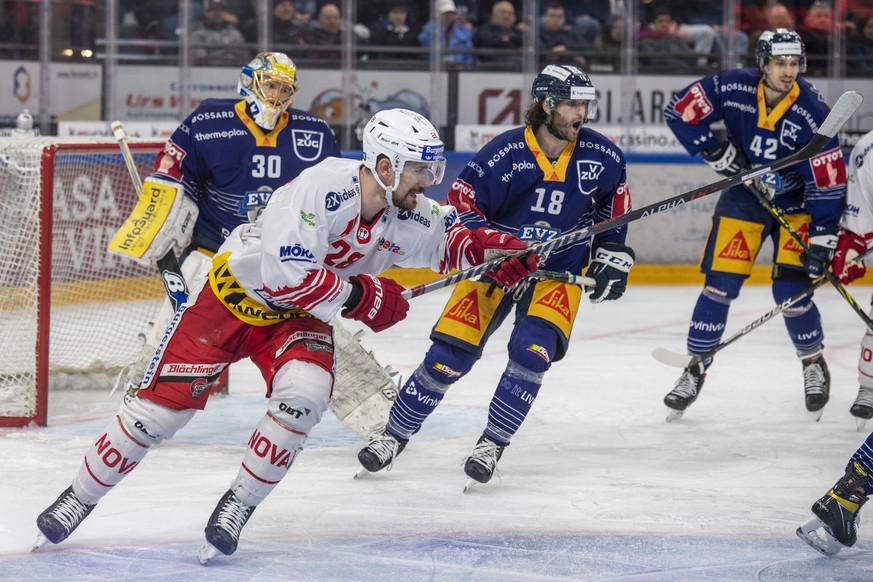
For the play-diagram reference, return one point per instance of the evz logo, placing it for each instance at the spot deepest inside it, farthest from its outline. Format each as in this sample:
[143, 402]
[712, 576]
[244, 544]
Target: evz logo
[307, 144]
[789, 136]
[589, 173]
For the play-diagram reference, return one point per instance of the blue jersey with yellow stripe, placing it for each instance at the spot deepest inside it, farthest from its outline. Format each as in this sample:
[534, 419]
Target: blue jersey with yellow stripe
[227, 163]
[511, 186]
[736, 97]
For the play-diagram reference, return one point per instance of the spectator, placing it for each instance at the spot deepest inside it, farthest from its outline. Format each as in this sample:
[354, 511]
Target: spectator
[861, 49]
[776, 15]
[587, 18]
[394, 30]
[501, 33]
[557, 38]
[457, 35]
[608, 46]
[818, 26]
[666, 46]
[288, 30]
[216, 40]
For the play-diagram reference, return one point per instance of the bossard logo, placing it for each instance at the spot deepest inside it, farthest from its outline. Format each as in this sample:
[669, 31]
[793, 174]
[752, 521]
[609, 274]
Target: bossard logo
[466, 311]
[737, 249]
[789, 135]
[307, 144]
[589, 173]
[557, 301]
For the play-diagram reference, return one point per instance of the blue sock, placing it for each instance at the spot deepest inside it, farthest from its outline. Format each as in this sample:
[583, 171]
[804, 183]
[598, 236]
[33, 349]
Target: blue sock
[707, 323]
[516, 392]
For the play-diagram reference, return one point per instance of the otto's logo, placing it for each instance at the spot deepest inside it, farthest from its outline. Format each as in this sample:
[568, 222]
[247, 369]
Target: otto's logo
[694, 105]
[333, 200]
[307, 144]
[828, 169]
[175, 152]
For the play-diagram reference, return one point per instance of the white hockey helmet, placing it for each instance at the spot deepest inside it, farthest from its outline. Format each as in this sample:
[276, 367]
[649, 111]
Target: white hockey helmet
[267, 101]
[403, 136]
[780, 42]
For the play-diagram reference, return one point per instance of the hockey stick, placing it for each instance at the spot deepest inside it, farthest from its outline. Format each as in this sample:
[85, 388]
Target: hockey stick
[168, 265]
[564, 277]
[678, 360]
[845, 106]
[832, 279]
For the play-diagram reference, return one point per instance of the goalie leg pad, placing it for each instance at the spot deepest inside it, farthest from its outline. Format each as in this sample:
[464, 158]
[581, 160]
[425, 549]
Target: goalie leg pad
[123, 444]
[298, 401]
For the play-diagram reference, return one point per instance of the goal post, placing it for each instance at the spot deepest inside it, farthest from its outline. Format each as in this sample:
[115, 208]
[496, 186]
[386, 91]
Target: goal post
[72, 314]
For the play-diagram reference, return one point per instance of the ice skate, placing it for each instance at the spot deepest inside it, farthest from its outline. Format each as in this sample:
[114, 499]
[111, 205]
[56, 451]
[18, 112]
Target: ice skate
[224, 526]
[816, 385]
[482, 462]
[835, 520]
[380, 452]
[61, 518]
[862, 408]
[685, 392]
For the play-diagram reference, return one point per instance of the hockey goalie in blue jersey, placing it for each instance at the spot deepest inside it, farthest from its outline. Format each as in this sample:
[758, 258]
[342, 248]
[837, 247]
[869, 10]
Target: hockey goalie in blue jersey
[218, 170]
[768, 114]
[551, 177]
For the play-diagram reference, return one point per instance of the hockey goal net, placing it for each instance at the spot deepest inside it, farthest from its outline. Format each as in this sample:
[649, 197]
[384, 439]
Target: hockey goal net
[71, 313]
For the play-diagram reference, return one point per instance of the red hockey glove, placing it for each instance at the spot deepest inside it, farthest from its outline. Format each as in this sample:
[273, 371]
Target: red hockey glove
[513, 270]
[487, 244]
[376, 301]
[849, 246]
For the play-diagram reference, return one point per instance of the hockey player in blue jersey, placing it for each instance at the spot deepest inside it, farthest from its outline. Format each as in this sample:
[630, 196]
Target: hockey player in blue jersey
[768, 114]
[219, 168]
[834, 521]
[548, 178]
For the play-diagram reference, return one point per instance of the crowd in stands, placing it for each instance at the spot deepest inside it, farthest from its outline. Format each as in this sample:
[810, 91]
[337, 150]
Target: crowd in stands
[670, 35]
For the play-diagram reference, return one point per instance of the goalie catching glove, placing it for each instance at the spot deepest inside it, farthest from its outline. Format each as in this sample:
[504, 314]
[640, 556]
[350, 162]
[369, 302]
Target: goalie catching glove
[609, 269]
[487, 244]
[377, 302]
[162, 220]
[849, 246]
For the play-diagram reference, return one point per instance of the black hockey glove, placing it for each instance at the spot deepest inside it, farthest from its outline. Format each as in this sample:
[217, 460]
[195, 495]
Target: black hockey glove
[822, 243]
[727, 160]
[609, 269]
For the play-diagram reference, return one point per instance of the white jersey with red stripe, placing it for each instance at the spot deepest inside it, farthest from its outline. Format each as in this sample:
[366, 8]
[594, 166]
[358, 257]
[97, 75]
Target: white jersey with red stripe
[310, 239]
[858, 215]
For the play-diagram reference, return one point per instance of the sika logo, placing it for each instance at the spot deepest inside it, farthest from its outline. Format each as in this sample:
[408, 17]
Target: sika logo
[737, 249]
[466, 310]
[557, 300]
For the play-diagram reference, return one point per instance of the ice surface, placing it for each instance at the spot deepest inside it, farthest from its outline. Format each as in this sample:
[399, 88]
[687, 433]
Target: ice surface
[596, 485]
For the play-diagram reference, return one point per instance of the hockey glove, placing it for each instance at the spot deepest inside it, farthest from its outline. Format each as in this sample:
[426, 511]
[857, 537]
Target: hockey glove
[820, 253]
[487, 244]
[376, 301]
[849, 246]
[727, 160]
[609, 269]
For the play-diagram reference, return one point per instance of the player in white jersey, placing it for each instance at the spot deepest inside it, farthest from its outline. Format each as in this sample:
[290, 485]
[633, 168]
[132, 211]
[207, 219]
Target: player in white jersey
[272, 289]
[856, 236]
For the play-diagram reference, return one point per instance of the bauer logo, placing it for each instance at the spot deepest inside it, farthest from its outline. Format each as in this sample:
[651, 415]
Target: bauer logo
[307, 144]
[589, 174]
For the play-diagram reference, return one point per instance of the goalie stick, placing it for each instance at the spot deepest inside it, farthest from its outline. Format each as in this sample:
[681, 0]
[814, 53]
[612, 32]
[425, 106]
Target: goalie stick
[678, 360]
[843, 109]
[168, 265]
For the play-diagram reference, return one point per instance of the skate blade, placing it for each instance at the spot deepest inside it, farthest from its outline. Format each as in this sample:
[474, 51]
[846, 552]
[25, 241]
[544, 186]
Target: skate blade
[470, 484]
[815, 414]
[860, 422]
[362, 472]
[41, 540]
[673, 415]
[814, 534]
[207, 552]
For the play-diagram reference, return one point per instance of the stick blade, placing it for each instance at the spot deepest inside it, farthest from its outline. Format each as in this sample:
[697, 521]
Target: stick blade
[670, 358]
[842, 110]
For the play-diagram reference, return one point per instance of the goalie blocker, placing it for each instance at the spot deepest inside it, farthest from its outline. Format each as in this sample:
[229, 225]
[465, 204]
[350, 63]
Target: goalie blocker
[162, 220]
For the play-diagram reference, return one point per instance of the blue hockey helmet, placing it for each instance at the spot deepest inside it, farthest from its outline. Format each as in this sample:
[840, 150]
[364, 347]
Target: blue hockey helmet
[777, 43]
[565, 83]
[268, 84]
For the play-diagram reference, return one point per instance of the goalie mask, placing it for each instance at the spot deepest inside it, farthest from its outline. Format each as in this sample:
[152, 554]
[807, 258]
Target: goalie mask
[268, 84]
[565, 83]
[403, 136]
[777, 43]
